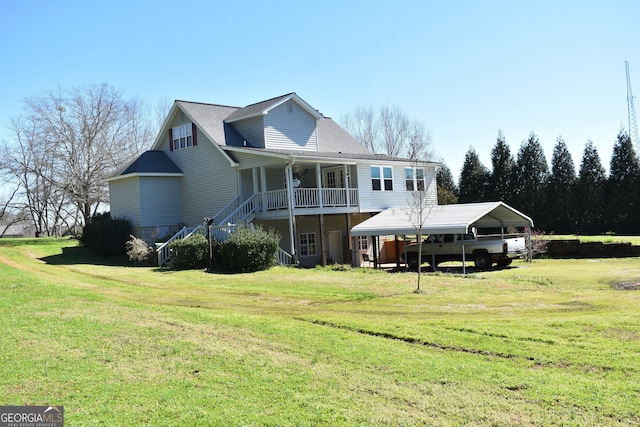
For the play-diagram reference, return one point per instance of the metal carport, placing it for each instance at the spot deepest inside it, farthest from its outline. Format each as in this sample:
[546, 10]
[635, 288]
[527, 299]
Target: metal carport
[443, 219]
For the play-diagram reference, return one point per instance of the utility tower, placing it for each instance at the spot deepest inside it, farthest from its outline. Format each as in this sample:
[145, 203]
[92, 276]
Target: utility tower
[633, 125]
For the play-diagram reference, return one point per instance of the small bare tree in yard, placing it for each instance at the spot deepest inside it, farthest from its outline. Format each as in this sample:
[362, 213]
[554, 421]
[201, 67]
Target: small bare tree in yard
[418, 206]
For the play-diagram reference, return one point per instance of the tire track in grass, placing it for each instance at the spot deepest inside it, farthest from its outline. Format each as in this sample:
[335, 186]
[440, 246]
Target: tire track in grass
[411, 340]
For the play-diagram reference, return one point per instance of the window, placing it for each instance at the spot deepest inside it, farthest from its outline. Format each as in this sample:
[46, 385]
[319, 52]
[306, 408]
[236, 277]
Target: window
[363, 243]
[382, 178]
[307, 244]
[182, 137]
[414, 179]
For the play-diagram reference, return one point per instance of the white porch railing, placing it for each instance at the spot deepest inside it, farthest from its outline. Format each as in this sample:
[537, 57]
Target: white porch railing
[242, 212]
[276, 199]
[310, 198]
[226, 211]
[284, 258]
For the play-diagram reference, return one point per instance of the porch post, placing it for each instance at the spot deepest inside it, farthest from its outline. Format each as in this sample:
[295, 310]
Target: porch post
[349, 240]
[319, 181]
[346, 184]
[254, 176]
[289, 177]
[323, 245]
[263, 185]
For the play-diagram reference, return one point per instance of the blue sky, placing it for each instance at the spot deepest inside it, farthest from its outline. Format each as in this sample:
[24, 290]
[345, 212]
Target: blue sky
[465, 69]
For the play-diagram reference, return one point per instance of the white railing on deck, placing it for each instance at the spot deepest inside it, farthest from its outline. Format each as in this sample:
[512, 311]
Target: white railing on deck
[310, 198]
[306, 197]
[242, 212]
[276, 199]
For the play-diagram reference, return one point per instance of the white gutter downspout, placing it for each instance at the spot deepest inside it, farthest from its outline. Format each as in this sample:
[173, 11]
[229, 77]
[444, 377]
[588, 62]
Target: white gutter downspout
[289, 175]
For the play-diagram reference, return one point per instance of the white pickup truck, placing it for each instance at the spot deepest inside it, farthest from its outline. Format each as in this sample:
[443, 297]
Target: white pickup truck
[483, 250]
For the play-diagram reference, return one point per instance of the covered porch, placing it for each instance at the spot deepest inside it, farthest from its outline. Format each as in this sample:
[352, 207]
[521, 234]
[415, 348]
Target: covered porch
[307, 187]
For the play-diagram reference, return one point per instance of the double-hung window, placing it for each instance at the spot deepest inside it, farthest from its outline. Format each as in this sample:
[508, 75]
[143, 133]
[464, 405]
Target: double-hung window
[307, 244]
[382, 178]
[182, 137]
[414, 179]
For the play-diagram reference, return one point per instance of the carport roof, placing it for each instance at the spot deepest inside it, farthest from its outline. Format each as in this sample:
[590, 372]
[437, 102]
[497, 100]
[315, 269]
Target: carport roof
[443, 219]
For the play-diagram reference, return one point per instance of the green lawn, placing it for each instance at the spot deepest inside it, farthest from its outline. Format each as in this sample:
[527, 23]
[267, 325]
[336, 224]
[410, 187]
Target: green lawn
[547, 343]
[609, 238]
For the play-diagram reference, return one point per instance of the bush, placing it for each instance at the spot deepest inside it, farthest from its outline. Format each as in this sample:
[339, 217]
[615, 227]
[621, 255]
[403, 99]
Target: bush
[248, 249]
[106, 236]
[190, 253]
[139, 252]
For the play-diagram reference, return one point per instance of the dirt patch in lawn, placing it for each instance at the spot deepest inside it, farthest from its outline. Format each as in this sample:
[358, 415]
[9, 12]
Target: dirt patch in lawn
[627, 286]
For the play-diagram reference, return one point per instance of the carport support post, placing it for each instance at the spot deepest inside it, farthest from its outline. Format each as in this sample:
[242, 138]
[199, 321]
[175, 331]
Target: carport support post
[374, 240]
[433, 252]
[404, 250]
[464, 258]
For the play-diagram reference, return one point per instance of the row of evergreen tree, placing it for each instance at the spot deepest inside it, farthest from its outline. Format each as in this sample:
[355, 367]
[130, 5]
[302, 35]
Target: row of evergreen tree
[557, 199]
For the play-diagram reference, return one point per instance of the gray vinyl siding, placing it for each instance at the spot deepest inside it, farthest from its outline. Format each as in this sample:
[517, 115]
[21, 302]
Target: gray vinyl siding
[253, 130]
[275, 179]
[124, 197]
[246, 179]
[290, 127]
[160, 201]
[375, 201]
[209, 181]
[282, 227]
[309, 224]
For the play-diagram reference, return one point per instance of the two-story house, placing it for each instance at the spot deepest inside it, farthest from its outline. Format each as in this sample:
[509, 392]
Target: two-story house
[279, 163]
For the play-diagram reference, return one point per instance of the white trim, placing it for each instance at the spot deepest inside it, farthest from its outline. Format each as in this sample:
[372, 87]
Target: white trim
[315, 243]
[381, 178]
[147, 174]
[294, 97]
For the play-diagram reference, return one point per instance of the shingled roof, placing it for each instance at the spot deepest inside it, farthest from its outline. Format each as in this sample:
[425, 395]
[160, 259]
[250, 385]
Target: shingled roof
[215, 120]
[151, 163]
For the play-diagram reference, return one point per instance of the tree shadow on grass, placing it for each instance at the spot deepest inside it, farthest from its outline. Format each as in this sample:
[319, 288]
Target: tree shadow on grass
[82, 255]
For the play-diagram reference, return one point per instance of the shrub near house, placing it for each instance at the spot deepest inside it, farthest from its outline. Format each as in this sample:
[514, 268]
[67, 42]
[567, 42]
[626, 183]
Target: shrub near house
[248, 249]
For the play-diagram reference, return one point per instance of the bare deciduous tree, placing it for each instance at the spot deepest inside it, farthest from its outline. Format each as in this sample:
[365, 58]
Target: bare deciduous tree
[361, 124]
[67, 143]
[389, 131]
[418, 207]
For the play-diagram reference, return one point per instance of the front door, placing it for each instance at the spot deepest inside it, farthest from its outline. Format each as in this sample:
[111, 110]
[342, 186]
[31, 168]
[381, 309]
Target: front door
[335, 247]
[333, 177]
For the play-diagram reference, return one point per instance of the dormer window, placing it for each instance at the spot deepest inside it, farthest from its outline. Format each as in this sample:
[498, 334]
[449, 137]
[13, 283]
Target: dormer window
[183, 136]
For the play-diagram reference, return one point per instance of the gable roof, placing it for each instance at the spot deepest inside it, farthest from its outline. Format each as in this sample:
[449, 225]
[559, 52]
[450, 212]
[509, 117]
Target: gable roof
[443, 219]
[214, 120]
[208, 117]
[149, 163]
[263, 107]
